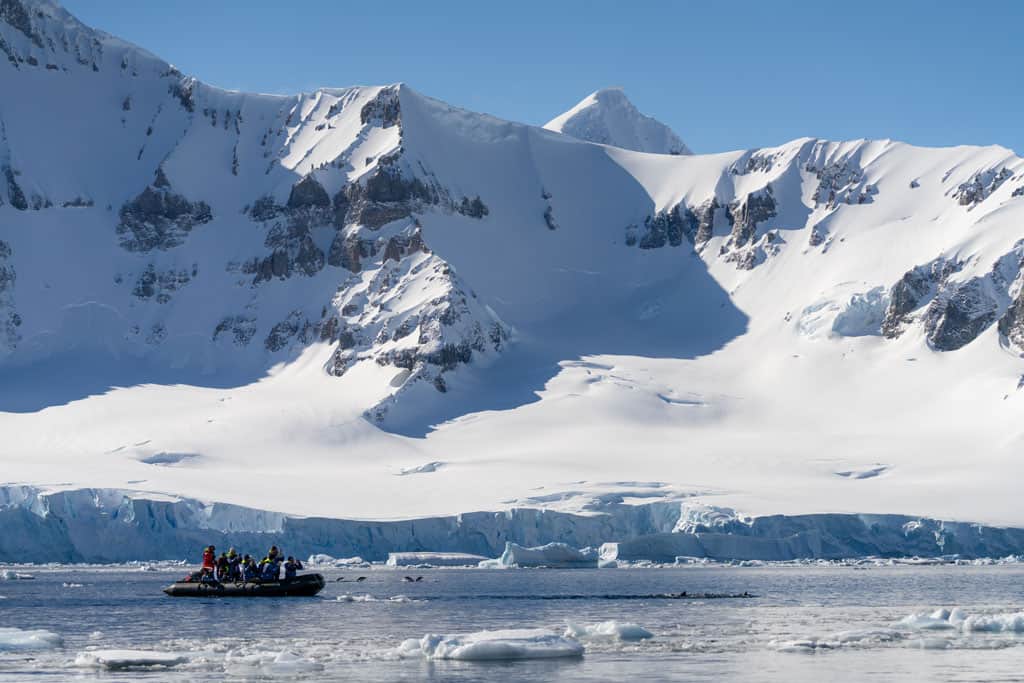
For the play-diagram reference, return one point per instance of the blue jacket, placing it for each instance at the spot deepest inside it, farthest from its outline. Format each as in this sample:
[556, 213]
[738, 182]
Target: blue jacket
[270, 570]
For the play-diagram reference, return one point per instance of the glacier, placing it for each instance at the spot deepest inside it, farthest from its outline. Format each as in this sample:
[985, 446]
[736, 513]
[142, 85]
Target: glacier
[108, 526]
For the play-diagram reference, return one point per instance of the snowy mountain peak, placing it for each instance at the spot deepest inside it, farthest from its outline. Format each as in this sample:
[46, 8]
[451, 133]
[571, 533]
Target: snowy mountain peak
[609, 118]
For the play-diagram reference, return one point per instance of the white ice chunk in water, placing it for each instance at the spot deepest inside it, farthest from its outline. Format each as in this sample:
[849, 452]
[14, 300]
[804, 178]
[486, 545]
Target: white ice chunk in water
[18, 640]
[366, 597]
[940, 619]
[8, 575]
[322, 560]
[270, 663]
[507, 644]
[608, 630]
[128, 659]
[418, 559]
[556, 555]
[857, 637]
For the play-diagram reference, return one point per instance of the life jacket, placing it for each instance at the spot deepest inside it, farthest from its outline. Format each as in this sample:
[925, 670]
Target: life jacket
[269, 569]
[290, 568]
[208, 559]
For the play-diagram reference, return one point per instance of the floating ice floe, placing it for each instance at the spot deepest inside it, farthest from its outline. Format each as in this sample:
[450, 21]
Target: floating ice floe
[8, 575]
[958, 619]
[552, 555]
[115, 660]
[275, 663]
[853, 638]
[19, 640]
[508, 644]
[427, 559]
[611, 630]
[394, 599]
[322, 560]
[68, 584]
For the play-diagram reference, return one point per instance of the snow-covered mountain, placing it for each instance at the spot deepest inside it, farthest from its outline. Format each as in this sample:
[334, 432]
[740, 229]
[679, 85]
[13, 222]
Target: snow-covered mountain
[607, 117]
[365, 303]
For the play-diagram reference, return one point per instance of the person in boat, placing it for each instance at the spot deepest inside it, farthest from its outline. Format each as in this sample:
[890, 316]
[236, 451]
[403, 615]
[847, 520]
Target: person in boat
[270, 568]
[291, 568]
[250, 571]
[222, 567]
[209, 558]
[234, 565]
[274, 553]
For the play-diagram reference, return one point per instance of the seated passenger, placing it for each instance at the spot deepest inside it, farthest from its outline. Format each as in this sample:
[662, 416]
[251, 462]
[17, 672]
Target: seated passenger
[249, 569]
[234, 565]
[291, 567]
[270, 569]
[222, 567]
[208, 557]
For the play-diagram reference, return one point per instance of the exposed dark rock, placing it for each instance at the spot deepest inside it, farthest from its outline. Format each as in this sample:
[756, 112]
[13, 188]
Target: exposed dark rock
[1019, 192]
[912, 291]
[754, 254]
[981, 186]
[296, 243]
[340, 204]
[16, 14]
[308, 193]
[841, 182]
[345, 252]
[818, 236]
[384, 109]
[14, 193]
[956, 320]
[294, 327]
[705, 214]
[242, 328]
[757, 162]
[474, 208]
[1011, 325]
[183, 90]
[157, 334]
[744, 215]
[549, 218]
[161, 284]
[263, 209]
[159, 219]
[666, 227]
[387, 196]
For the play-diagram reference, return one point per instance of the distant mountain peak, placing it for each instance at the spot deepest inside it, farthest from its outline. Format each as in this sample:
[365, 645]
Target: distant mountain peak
[608, 117]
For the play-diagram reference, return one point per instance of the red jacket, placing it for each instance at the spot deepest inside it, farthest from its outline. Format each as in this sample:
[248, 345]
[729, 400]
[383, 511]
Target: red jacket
[208, 559]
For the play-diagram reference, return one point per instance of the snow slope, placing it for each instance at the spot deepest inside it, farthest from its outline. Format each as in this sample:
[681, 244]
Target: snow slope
[607, 117]
[304, 304]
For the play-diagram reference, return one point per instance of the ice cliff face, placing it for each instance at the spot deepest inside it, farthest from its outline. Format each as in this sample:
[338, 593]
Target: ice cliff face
[607, 117]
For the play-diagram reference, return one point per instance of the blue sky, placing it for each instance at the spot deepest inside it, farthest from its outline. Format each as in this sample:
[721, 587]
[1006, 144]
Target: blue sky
[724, 75]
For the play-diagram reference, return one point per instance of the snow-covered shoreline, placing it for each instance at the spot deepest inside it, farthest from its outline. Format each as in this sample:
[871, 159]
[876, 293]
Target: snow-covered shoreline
[106, 525]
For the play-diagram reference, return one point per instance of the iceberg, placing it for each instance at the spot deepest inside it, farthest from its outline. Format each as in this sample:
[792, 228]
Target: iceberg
[610, 630]
[510, 644]
[323, 560]
[115, 660]
[18, 640]
[552, 555]
[422, 559]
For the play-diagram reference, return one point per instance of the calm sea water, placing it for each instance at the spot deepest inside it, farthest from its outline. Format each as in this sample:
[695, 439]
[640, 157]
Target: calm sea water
[807, 624]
